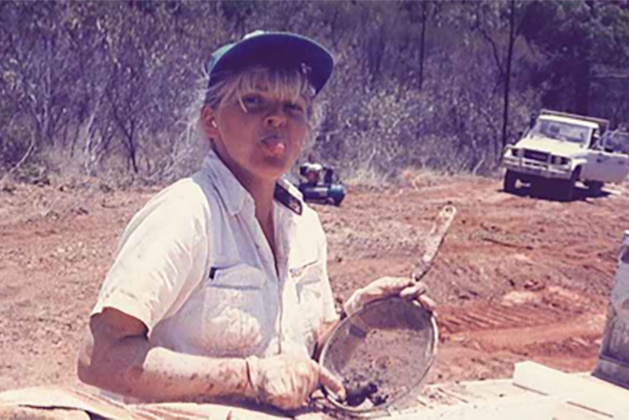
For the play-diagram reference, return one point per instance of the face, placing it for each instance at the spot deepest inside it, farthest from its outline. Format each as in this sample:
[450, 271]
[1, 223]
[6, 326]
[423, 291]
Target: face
[258, 135]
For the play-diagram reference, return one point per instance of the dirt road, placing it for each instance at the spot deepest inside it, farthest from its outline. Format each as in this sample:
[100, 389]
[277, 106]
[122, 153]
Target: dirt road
[517, 277]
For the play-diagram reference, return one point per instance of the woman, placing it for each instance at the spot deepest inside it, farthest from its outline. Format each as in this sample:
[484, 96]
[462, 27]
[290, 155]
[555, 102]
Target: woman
[220, 287]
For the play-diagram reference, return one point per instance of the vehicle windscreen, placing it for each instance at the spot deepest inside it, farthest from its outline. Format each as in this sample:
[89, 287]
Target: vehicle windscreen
[560, 130]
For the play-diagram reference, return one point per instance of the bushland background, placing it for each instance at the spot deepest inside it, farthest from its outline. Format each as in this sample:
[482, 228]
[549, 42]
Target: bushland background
[110, 88]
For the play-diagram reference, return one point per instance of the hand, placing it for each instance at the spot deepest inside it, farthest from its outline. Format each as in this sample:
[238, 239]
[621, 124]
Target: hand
[403, 287]
[286, 381]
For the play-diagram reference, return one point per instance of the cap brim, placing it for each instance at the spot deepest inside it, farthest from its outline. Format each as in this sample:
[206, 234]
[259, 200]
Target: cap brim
[278, 49]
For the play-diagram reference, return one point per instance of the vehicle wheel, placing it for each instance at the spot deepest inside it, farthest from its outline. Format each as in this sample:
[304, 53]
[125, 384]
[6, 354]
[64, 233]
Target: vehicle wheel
[567, 192]
[543, 187]
[511, 178]
[594, 187]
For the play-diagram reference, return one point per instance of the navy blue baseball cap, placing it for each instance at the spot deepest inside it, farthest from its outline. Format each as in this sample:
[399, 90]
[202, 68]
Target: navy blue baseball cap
[273, 49]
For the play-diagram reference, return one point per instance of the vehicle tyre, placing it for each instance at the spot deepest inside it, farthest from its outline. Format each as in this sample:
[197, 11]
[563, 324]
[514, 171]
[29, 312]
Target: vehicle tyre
[594, 187]
[567, 192]
[543, 187]
[511, 178]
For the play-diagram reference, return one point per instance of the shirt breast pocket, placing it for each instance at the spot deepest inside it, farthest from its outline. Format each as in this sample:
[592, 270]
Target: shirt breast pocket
[234, 315]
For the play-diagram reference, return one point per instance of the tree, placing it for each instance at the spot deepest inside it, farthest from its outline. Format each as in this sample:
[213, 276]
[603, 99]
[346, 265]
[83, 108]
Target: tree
[111, 89]
[579, 42]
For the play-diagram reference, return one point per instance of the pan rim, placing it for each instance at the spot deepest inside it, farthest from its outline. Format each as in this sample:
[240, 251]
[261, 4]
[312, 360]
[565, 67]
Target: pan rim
[383, 408]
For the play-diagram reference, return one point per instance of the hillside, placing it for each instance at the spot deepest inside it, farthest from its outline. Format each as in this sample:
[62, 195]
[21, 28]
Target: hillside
[517, 277]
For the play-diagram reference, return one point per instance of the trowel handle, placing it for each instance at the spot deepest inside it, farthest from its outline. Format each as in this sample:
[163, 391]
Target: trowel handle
[433, 241]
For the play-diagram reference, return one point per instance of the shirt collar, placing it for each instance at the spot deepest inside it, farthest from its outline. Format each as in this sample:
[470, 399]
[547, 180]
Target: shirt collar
[235, 195]
[229, 188]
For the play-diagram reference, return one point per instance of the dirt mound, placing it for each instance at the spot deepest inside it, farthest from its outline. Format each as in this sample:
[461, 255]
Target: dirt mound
[517, 277]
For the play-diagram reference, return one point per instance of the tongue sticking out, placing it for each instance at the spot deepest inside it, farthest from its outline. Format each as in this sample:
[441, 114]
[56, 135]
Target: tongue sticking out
[274, 145]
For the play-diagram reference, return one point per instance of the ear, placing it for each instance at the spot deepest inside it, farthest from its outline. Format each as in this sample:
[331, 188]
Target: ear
[208, 122]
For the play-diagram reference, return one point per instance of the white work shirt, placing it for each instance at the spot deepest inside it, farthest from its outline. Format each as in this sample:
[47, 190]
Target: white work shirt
[195, 267]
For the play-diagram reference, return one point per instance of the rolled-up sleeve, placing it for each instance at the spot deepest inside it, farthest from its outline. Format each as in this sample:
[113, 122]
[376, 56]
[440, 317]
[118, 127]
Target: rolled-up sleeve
[163, 255]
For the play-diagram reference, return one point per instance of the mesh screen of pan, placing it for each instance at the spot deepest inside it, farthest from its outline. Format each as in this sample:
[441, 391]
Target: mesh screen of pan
[382, 353]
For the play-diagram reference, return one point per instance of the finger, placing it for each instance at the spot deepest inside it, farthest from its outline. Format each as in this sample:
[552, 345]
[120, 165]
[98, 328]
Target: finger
[329, 381]
[413, 291]
[426, 303]
[314, 373]
[393, 285]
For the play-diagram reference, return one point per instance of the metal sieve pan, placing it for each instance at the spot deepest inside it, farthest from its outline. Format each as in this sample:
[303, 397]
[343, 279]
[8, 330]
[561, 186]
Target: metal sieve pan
[382, 354]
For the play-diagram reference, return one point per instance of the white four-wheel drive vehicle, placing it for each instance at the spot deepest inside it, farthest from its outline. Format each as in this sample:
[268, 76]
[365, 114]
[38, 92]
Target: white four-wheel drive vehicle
[560, 149]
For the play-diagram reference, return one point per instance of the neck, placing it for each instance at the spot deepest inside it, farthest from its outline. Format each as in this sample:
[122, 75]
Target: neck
[262, 191]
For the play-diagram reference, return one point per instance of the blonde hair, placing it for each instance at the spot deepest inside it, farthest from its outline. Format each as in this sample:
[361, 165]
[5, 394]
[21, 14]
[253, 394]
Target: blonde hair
[288, 84]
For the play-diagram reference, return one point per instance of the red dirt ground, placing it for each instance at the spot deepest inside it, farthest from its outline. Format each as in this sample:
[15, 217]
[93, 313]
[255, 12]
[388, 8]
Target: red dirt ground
[517, 277]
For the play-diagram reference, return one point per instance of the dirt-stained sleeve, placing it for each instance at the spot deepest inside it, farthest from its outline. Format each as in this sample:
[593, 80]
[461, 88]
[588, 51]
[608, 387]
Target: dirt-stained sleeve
[162, 255]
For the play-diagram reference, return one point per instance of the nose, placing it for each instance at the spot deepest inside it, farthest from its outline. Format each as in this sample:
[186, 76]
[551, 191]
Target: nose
[276, 117]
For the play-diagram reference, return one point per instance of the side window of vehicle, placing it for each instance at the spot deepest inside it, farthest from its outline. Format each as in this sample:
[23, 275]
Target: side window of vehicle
[595, 140]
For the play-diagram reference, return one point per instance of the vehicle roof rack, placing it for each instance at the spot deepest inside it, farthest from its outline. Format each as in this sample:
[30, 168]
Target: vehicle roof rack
[603, 123]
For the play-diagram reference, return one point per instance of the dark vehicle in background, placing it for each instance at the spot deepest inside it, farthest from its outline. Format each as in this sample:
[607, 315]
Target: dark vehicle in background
[320, 184]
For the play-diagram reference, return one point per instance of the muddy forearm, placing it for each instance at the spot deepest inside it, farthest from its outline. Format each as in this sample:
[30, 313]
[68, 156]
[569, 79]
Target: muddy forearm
[132, 368]
[165, 375]
[117, 356]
